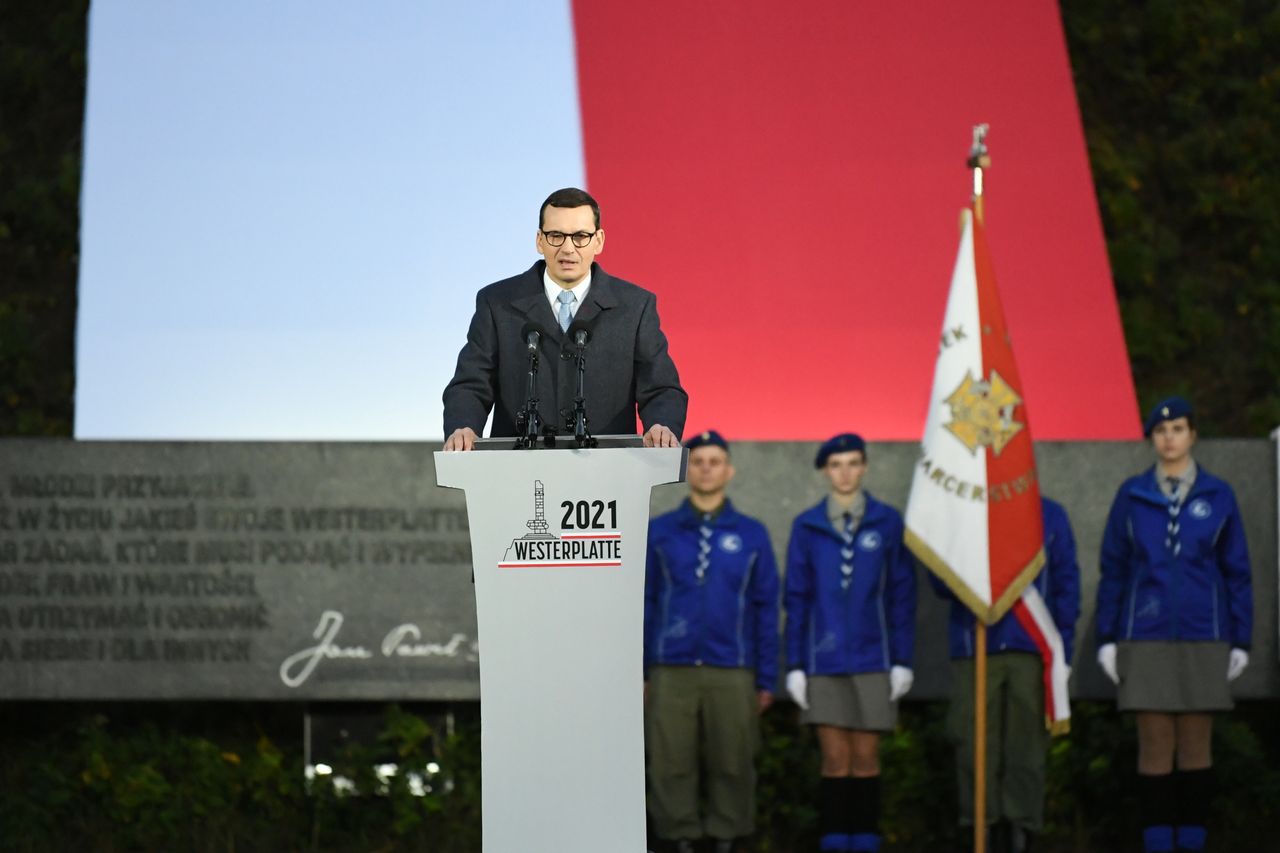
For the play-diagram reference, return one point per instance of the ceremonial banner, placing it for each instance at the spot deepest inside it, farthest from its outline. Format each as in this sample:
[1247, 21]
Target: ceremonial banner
[974, 515]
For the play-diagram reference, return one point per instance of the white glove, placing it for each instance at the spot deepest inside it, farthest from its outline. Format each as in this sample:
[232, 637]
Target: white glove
[900, 681]
[1239, 660]
[798, 688]
[1107, 660]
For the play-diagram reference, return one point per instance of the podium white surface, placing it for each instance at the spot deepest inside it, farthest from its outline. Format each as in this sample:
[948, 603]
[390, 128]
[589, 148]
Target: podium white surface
[558, 541]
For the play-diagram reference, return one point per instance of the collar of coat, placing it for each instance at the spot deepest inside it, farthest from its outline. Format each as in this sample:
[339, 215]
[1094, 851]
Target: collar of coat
[816, 516]
[532, 301]
[1146, 487]
[690, 517]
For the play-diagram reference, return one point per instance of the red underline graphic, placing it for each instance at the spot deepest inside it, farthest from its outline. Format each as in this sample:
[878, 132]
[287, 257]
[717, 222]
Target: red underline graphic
[594, 536]
[557, 565]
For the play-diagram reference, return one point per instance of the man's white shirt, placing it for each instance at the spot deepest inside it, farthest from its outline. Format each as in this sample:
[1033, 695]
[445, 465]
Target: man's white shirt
[553, 291]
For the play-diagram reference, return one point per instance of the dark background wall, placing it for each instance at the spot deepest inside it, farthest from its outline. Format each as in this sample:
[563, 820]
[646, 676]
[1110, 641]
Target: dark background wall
[187, 570]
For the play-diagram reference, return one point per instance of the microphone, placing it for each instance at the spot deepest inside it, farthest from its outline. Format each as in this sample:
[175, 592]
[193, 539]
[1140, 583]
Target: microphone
[532, 334]
[580, 331]
[528, 420]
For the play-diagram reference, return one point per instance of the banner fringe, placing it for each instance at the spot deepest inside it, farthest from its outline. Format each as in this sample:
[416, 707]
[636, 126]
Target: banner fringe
[989, 614]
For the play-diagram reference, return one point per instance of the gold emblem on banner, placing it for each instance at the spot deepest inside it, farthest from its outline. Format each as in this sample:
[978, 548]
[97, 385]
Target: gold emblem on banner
[982, 413]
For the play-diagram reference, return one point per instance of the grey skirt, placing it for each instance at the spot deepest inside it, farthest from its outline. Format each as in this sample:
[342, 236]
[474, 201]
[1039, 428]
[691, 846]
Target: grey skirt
[1173, 677]
[859, 701]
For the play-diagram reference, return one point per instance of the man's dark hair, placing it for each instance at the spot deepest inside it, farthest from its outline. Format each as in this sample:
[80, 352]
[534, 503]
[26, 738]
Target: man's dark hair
[570, 197]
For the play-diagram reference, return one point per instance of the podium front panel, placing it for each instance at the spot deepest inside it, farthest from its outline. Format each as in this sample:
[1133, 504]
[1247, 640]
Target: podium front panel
[558, 540]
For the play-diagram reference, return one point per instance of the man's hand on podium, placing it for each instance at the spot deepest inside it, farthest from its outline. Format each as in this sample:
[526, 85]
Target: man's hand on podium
[462, 439]
[658, 436]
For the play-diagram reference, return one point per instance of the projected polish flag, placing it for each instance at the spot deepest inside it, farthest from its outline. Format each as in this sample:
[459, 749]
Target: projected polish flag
[787, 181]
[285, 217]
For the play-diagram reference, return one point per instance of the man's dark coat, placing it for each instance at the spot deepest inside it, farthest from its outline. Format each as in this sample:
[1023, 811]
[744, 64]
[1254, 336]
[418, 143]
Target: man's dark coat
[628, 366]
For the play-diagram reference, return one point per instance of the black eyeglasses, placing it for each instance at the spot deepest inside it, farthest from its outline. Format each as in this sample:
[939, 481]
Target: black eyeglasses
[579, 238]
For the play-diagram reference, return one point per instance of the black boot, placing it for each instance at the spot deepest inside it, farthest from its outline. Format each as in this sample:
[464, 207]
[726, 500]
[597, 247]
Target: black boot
[673, 845]
[1158, 810]
[833, 812]
[966, 840]
[1195, 791]
[1001, 838]
[1021, 840]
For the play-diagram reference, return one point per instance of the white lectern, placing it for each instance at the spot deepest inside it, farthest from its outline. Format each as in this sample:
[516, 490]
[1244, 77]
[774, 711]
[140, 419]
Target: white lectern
[558, 543]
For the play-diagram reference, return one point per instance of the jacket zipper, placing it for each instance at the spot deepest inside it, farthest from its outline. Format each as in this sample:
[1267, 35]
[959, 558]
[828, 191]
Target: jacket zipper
[1133, 585]
[666, 608]
[884, 622]
[742, 610]
[1216, 630]
[1217, 581]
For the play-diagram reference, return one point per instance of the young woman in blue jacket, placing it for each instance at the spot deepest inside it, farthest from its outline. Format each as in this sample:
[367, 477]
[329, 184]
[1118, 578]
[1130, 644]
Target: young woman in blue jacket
[1175, 618]
[850, 601]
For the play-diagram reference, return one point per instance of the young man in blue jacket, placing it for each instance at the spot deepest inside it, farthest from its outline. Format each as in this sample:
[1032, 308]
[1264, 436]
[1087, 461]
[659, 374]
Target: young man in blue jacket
[1017, 738]
[711, 651]
[851, 604]
[1175, 622]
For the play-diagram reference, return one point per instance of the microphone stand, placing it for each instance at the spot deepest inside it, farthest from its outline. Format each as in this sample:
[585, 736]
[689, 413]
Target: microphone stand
[576, 418]
[528, 419]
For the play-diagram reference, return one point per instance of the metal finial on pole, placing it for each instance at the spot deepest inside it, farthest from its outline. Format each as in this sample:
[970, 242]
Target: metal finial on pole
[979, 159]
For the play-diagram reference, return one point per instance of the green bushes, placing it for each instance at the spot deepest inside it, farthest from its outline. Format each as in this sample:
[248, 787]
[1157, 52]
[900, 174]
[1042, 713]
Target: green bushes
[139, 777]
[229, 777]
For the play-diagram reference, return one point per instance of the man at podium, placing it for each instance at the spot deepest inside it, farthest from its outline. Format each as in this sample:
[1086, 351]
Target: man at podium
[630, 369]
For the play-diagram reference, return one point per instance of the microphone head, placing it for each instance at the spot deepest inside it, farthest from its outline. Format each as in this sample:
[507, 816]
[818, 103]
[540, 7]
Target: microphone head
[531, 333]
[580, 331]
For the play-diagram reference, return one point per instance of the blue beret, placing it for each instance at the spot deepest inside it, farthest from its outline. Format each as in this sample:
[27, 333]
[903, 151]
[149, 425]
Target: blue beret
[1169, 409]
[709, 437]
[845, 442]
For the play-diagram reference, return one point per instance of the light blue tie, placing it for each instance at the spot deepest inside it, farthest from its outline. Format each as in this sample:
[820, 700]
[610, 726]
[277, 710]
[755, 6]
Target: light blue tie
[566, 298]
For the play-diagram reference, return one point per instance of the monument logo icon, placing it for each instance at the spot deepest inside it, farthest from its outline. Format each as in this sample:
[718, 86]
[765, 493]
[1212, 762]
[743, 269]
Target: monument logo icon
[587, 544]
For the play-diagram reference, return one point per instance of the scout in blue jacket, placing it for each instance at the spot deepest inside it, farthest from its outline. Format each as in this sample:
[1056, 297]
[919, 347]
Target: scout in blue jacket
[850, 599]
[1175, 621]
[1017, 740]
[711, 652]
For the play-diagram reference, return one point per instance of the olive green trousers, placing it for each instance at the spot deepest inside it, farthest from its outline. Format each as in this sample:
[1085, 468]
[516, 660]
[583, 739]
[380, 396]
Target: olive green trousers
[702, 734]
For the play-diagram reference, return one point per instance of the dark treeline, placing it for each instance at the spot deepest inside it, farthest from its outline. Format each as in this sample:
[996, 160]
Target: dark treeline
[42, 86]
[1181, 107]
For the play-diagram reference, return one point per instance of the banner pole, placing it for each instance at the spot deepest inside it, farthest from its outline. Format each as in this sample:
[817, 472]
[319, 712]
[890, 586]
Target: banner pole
[979, 159]
[980, 738]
